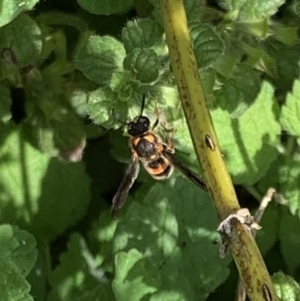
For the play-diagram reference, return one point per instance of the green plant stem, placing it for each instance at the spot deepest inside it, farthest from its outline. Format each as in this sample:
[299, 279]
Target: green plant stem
[245, 252]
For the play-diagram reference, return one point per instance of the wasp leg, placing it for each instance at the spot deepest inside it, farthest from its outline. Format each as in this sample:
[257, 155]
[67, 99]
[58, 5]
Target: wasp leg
[157, 117]
[169, 151]
[170, 138]
[170, 131]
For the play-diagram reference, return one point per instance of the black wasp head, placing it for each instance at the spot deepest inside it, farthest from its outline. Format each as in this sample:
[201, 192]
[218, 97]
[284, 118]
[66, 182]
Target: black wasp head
[138, 126]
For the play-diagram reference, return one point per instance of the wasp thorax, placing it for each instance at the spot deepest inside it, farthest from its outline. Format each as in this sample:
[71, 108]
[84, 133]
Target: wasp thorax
[139, 126]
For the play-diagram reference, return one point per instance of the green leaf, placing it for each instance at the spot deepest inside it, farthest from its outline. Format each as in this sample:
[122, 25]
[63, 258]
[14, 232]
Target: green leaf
[226, 62]
[184, 146]
[294, 8]
[23, 36]
[120, 149]
[12, 8]
[284, 176]
[208, 46]
[286, 287]
[143, 33]
[259, 59]
[268, 235]
[105, 7]
[5, 104]
[248, 143]
[193, 9]
[122, 85]
[168, 296]
[290, 240]
[101, 103]
[260, 28]
[68, 130]
[13, 286]
[143, 64]
[110, 111]
[208, 78]
[289, 177]
[42, 194]
[254, 10]
[251, 10]
[290, 112]
[52, 125]
[19, 247]
[285, 34]
[38, 277]
[101, 236]
[288, 64]
[173, 225]
[64, 138]
[231, 5]
[134, 276]
[79, 273]
[95, 294]
[78, 99]
[99, 58]
[239, 91]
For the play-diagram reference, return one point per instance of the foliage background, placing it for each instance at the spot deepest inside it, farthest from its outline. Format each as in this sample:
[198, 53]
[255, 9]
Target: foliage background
[65, 67]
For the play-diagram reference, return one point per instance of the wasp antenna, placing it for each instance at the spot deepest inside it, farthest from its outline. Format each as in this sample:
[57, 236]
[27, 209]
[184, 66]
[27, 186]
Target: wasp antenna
[143, 104]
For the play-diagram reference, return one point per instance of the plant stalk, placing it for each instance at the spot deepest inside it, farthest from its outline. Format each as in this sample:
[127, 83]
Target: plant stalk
[245, 252]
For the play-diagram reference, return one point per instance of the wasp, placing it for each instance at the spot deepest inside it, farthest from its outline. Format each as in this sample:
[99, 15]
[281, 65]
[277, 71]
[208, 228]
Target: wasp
[156, 156]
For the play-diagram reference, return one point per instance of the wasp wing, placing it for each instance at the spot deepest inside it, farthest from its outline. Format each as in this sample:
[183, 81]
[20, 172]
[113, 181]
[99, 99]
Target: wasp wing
[130, 175]
[185, 170]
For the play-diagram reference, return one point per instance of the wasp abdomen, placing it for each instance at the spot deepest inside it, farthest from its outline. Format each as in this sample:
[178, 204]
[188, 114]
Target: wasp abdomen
[159, 169]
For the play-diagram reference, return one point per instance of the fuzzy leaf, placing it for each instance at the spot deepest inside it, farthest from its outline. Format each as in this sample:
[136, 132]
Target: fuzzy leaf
[101, 105]
[13, 286]
[254, 10]
[143, 63]
[18, 246]
[24, 37]
[287, 288]
[12, 8]
[99, 58]
[106, 109]
[208, 46]
[143, 33]
[251, 10]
